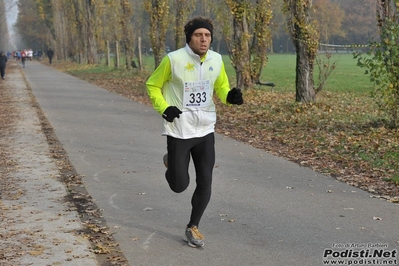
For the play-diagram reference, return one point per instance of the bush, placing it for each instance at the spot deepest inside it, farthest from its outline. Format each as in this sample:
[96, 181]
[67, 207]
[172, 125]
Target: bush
[382, 64]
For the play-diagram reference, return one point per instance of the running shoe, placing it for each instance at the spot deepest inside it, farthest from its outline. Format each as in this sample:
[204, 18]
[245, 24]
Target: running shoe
[193, 237]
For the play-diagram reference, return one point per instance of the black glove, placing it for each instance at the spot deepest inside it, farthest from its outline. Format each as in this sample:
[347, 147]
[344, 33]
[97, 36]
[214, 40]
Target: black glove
[235, 96]
[171, 113]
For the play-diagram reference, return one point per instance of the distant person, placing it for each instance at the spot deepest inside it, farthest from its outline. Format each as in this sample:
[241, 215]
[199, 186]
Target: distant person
[3, 63]
[50, 54]
[24, 55]
[30, 55]
[39, 55]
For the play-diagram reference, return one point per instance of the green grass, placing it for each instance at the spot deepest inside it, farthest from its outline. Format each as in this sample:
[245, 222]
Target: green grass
[100, 69]
[394, 179]
[280, 69]
[346, 77]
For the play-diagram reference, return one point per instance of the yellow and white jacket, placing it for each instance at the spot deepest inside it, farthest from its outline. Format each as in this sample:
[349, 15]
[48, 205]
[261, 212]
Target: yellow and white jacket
[184, 80]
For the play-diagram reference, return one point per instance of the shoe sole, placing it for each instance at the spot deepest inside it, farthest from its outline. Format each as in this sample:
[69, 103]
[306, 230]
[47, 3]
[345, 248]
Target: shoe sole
[191, 244]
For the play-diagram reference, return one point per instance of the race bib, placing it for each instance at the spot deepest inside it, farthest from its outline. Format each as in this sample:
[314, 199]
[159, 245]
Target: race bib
[196, 94]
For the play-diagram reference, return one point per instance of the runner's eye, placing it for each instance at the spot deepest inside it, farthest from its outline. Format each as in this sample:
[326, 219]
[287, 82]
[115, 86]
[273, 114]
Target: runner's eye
[200, 34]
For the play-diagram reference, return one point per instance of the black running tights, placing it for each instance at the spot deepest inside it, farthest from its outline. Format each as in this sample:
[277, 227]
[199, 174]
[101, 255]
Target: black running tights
[202, 150]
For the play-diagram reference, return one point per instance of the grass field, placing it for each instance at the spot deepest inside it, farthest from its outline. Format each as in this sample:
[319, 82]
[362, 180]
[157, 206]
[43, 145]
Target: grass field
[347, 76]
[280, 69]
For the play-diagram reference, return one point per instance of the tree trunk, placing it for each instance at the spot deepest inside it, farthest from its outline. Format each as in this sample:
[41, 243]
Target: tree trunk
[261, 39]
[117, 54]
[181, 17]
[91, 40]
[247, 37]
[108, 55]
[78, 35]
[242, 56]
[140, 56]
[304, 82]
[127, 29]
[305, 40]
[159, 23]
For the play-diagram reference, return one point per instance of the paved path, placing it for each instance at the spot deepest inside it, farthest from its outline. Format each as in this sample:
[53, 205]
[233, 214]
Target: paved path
[264, 210]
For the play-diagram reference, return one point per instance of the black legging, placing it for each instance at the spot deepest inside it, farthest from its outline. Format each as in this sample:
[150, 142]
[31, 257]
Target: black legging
[202, 150]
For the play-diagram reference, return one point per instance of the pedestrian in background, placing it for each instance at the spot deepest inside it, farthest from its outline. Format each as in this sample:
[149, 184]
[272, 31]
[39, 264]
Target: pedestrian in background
[181, 89]
[50, 54]
[3, 63]
[39, 55]
[30, 54]
[23, 57]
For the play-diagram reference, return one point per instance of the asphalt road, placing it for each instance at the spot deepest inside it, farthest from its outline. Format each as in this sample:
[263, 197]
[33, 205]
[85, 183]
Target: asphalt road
[264, 210]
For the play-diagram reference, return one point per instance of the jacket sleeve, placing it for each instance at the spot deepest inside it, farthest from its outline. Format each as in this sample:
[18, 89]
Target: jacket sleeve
[155, 84]
[222, 85]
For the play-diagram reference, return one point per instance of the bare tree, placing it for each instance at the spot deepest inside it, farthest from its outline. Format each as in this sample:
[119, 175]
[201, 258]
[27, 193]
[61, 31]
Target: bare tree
[76, 30]
[247, 34]
[90, 31]
[3, 26]
[305, 39]
[159, 22]
[127, 12]
[182, 8]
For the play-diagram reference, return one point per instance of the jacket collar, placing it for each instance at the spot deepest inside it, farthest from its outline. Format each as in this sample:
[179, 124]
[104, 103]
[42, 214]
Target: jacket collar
[197, 57]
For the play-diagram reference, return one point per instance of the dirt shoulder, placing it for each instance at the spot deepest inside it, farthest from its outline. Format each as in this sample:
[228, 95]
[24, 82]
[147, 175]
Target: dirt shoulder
[47, 216]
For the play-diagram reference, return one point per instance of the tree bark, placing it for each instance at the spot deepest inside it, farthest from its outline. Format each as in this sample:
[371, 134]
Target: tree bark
[305, 40]
[304, 82]
[128, 31]
[159, 22]
[79, 47]
[181, 17]
[91, 40]
[242, 56]
[246, 37]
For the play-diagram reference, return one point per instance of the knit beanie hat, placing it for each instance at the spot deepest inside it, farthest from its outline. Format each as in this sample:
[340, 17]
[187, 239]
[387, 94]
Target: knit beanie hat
[197, 23]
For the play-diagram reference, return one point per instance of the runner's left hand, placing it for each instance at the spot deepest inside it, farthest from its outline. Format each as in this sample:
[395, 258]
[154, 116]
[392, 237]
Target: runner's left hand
[235, 96]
